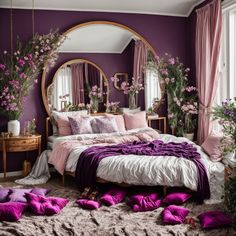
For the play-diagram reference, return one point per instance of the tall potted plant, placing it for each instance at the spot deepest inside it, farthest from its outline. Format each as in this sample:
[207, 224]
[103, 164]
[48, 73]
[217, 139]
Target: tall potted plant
[18, 72]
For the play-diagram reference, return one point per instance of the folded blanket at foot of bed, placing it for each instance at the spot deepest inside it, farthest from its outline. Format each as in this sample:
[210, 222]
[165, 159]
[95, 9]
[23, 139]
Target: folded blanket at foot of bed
[90, 158]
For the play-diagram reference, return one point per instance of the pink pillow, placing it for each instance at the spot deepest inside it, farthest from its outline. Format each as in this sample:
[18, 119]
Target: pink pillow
[174, 215]
[176, 198]
[81, 125]
[119, 121]
[63, 124]
[88, 204]
[106, 124]
[212, 147]
[214, 219]
[4, 194]
[40, 205]
[12, 211]
[18, 194]
[135, 121]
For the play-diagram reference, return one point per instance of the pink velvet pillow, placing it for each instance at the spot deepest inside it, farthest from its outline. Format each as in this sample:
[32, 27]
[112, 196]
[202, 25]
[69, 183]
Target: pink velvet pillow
[214, 219]
[106, 124]
[174, 215]
[135, 121]
[176, 198]
[11, 211]
[81, 125]
[119, 121]
[40, 205]
[18, 194]
[63, 124]
[212, 147]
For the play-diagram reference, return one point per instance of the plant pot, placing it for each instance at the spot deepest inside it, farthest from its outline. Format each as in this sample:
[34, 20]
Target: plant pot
[94, 105]
[189, 136]
[13, 126]
[132, 101]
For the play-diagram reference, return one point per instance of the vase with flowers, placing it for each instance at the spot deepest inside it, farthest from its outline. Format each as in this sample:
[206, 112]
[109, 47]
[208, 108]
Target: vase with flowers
[112, 107]
[95, 96]
[132, 91]
[18, 72]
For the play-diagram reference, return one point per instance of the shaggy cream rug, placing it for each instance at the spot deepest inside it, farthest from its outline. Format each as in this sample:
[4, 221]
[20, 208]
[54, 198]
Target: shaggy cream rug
[116, 220]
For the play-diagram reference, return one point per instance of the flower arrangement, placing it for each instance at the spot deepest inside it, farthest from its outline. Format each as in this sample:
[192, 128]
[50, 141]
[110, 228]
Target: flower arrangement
[18, 71]
[96, 96]
[182, 98]
[112, 106]
[77, 107]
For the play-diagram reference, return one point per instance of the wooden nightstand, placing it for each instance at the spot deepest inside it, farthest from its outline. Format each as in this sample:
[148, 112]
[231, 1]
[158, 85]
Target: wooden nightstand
[18, 144]
[159, 120]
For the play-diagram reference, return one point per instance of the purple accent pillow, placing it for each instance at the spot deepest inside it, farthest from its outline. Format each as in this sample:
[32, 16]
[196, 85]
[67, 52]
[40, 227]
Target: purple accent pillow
[88, 204]
[174, 215]
[214, 219]
[40, 191]
[40, 205]
[106, 124]
[144, 202]
[80, 125]
[176, 198]
[113, 196]
[4, 194]
[11, 211]
[18, 194]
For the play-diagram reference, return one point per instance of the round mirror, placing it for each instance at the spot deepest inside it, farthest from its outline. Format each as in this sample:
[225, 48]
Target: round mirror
[74, 84]
[114, 48]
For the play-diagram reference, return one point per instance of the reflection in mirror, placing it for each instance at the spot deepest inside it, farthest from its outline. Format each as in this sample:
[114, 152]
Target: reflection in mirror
[119, 78]
[74, 84]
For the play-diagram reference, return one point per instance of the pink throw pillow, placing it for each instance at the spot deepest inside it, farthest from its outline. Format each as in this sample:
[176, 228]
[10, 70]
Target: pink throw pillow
[106, 124]
[119, 121]
[176, 198]
[63, 124]
[4, 194]
[81, 125]
[212, 147]
[135, 121]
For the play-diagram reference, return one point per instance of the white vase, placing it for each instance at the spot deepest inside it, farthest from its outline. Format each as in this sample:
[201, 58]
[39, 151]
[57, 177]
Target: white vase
[189, 136]
[13, 126]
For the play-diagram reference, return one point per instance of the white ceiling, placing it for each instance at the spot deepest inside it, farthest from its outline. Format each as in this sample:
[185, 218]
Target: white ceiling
[156, 7]
[98, 38]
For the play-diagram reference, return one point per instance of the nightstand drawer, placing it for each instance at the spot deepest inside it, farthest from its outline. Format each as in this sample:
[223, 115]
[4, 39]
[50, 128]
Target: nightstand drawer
[22, 148]
[24, 142]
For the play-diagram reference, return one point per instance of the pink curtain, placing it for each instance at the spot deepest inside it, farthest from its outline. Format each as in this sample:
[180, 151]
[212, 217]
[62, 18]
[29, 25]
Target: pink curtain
[140, 60]
[77, 71]
[208, 40]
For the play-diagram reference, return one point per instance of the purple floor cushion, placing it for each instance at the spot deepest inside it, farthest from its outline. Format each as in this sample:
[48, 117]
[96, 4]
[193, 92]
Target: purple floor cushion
[144, 202]
[18, 194]
[174, 215]
[88, 204]
[214, 219]
[40, 191]
[12, 211]
[4, 194]
[176, 198]
[41, 205]
[113, 196]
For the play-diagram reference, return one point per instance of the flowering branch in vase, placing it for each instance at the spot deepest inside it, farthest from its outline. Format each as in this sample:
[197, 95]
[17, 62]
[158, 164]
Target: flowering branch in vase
[18, 72]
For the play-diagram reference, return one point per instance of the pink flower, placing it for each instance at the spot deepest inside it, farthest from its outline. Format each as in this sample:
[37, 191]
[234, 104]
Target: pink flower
[167, 80]
[171, 61]
[22, 75]
[2, 66]
[21, 62]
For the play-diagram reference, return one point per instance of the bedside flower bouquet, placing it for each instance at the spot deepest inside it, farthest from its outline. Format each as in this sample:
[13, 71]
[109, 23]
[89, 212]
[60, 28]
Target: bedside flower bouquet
[96, 96]
[18, 72]
[112, 107]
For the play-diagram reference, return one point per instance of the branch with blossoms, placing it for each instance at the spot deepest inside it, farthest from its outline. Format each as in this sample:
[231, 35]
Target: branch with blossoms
[18, 72]
[95, 93]
[135, 87]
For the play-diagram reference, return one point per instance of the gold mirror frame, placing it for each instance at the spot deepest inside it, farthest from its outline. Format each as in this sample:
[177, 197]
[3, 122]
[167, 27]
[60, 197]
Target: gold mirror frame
[83, 25]
[116, 75]
[75, 61]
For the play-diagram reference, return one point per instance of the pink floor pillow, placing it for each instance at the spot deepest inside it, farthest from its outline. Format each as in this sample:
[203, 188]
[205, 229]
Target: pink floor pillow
[88, 204]
[113, 196]
[4, 192]
[214, 219]
[177, 198]
[41, 205]
[174, 215]
[12, 211]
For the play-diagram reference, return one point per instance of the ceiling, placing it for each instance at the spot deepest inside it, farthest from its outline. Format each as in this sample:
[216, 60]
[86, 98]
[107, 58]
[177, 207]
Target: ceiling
[155, 7]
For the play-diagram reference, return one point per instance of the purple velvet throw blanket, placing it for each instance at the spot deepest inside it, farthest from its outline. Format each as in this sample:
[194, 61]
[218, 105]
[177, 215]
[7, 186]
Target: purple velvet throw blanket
[89, 160]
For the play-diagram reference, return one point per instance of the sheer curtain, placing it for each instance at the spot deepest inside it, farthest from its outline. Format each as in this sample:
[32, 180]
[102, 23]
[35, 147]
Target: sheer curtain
[63, 86]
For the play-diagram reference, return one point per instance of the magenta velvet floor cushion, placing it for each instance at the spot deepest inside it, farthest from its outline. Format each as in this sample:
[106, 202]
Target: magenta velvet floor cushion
[144, 202]
[88, 204]
[174, 215]
[41, 205]
[113, 196]
[4, 194]
[176, 198]
[214, 219]
[12, 211]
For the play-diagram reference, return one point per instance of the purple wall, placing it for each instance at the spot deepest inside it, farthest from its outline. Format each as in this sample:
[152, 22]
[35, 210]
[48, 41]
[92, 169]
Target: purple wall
[164, 33]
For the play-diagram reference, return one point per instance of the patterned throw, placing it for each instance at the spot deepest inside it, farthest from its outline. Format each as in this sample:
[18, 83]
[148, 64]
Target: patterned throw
[90, 158]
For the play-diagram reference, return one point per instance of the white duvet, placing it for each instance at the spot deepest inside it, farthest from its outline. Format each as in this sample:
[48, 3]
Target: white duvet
[152, 170]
